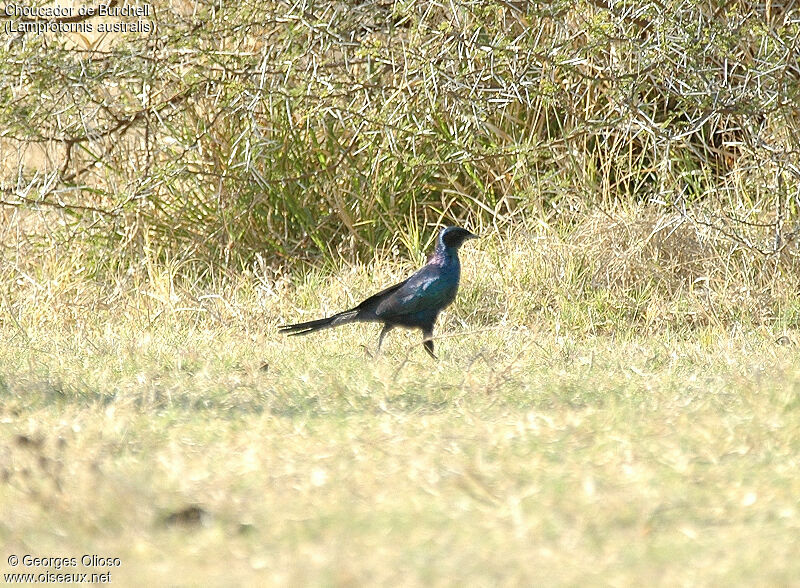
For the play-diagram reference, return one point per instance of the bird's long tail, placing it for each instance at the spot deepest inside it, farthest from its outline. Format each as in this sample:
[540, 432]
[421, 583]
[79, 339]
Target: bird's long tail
[342, 318]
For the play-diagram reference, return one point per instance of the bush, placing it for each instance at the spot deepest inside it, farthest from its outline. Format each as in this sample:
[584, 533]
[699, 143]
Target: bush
[327, 128]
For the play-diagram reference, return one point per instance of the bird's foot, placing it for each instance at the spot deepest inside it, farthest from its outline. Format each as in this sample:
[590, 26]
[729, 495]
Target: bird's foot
[428, 345]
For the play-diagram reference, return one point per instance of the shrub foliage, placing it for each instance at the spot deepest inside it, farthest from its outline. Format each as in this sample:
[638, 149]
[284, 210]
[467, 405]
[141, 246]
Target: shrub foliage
[323, 128]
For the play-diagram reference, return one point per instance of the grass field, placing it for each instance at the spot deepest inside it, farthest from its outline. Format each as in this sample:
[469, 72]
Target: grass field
[570, 434]
[617, 400]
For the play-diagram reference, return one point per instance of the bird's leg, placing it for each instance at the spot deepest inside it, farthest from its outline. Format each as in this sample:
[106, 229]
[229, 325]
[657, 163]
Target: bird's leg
[427, 342]
[386, 328]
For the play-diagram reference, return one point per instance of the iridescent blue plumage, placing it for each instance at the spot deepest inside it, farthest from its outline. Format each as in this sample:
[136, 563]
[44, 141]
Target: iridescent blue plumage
[413, 303]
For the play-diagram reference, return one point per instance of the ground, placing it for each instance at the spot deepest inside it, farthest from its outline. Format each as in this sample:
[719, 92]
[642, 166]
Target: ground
[205, 451]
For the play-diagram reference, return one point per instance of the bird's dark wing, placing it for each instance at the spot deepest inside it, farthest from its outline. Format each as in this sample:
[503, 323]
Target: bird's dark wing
[373, 301]
[428, 289]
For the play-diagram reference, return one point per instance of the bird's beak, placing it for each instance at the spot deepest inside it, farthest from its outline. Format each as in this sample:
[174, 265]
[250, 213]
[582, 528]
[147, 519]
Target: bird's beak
[472, 235]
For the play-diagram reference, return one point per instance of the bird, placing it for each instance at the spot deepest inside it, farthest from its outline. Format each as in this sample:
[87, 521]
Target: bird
[414, 303]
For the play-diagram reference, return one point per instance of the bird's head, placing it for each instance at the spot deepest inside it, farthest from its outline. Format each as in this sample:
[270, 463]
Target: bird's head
[453, 237]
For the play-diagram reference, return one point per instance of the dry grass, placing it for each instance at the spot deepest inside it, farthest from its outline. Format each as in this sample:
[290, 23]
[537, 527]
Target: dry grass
[579, 428]
[617, 396]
